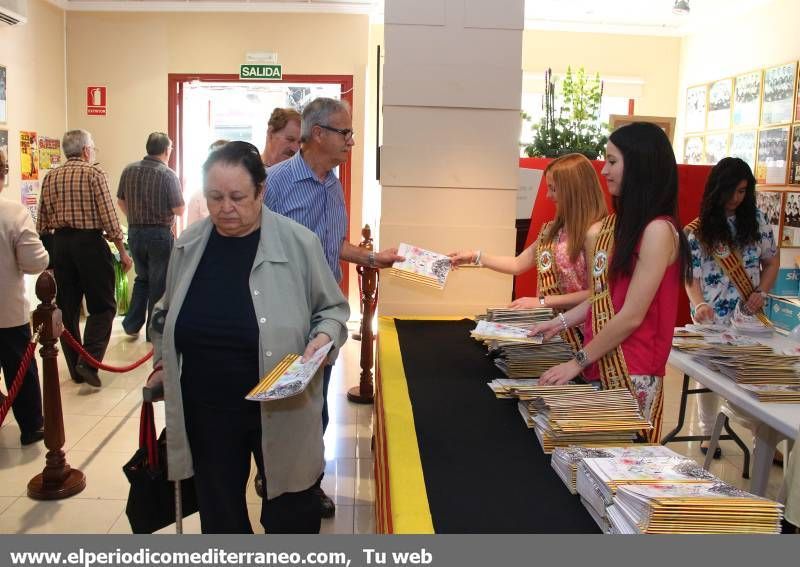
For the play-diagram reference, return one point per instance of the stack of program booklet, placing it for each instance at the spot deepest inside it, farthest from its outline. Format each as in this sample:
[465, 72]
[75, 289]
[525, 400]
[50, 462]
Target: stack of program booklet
[691, 508]
[492, 331]
[565, 459]
[527, 394]
[602, 417]
[524, 360]
[597, 479]
[517, 355]
[524, 318]
[767, 375]
[774, 393]
[529, 388]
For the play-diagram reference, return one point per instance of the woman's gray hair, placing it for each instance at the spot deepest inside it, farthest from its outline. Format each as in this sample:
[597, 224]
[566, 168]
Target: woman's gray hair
[319, 111]
[74, 141]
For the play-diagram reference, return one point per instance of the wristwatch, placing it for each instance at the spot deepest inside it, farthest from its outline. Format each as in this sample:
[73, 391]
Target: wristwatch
[762, 293]
[582, 359]
[541, 301]
[371, 259]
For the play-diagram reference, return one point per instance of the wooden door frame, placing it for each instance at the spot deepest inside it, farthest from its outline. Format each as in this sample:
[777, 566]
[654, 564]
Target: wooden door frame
[175, 82]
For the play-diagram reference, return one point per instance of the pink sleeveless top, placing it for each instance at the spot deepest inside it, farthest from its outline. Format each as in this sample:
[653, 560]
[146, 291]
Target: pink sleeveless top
[646, 349]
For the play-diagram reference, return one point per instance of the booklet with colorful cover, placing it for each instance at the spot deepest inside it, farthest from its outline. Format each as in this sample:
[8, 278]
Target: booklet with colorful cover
[289, 377]
[421, 266]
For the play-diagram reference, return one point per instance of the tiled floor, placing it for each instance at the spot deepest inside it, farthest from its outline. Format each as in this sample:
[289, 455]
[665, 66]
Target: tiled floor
[102, 433]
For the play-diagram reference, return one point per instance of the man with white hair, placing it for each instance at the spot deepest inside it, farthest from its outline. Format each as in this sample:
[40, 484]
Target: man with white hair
[76, 205]
[305, 189]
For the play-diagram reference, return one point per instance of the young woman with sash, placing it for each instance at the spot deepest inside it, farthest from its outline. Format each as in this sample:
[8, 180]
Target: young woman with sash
[636, 267]
[734, 259]
[558, 253]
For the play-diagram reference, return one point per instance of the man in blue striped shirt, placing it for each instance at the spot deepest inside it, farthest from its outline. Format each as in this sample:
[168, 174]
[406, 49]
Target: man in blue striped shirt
[305, 189]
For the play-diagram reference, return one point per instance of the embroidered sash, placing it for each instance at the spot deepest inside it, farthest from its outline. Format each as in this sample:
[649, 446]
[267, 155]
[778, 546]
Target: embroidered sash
[613, 370]
[732, 266]
[547, 275]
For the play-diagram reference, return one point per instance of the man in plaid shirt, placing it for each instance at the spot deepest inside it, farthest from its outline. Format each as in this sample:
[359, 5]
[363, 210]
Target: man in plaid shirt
[76, 206]
[150, 196]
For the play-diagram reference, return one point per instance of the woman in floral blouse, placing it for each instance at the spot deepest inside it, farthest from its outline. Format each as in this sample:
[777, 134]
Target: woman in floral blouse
[574, 187]
[729, 220]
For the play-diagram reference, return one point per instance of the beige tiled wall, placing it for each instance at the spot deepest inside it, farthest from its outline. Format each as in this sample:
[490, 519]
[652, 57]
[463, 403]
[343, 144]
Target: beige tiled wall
[449, 159]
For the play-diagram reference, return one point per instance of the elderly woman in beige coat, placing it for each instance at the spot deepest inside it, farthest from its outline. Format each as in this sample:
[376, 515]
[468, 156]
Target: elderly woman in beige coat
[245, 287]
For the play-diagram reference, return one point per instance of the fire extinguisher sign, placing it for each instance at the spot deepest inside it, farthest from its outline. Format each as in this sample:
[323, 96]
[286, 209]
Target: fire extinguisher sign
[96, 101]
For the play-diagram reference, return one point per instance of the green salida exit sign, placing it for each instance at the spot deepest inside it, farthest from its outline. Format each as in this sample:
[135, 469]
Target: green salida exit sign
[261, 72]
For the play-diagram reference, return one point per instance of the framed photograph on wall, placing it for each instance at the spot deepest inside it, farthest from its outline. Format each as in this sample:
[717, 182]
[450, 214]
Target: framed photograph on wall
[716, 147]
[667, 123]
[720, 94]
[771, 204]
[773, 149]
[696, 108]
[777, 101]
[747, 100]
[794, 161]
[3, 96]
[743, 146]
[693, 153]
[791, 221]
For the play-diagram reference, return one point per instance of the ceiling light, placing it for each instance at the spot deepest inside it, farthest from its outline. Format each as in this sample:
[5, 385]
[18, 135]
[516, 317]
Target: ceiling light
[681, 7]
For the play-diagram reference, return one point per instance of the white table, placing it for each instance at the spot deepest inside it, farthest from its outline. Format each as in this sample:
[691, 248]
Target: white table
[774, 421]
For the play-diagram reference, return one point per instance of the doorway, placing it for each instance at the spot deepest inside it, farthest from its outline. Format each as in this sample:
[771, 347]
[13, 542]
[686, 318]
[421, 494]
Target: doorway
[204, 108]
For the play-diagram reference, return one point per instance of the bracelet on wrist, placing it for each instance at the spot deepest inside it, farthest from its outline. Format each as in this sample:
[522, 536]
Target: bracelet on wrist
[563, 321]
[371, 259]
[477, 260]
[541, 301]
[699, 305]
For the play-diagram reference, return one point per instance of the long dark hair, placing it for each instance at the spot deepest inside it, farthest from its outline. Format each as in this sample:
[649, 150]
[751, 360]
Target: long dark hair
[720, 187]
[649, 190]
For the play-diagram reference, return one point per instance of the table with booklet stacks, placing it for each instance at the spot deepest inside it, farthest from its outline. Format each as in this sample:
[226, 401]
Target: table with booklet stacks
[466, 442]
[759, 376]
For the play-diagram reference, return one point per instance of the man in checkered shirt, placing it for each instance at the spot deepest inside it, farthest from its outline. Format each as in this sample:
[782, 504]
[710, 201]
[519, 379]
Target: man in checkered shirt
[76, 206]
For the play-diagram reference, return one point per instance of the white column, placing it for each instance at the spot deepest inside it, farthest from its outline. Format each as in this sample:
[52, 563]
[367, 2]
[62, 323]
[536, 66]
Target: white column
[451, 112]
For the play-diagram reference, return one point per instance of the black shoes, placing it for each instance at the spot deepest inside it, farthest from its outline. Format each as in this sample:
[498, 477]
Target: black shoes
[327, 509]
[717, 452]
[259, 484]
[88, 375]
[32, 437]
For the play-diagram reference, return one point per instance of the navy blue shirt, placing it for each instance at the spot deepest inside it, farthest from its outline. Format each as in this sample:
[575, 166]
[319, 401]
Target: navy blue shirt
[216, 331]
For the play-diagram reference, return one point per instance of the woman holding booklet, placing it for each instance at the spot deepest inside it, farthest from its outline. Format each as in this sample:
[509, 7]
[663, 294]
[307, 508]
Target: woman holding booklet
[559, 251]
[245, 287]
[734, 259]
[639, 256]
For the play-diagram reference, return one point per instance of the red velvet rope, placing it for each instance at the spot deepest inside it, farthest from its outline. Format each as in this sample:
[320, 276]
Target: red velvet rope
[24, 364]
[94, 363]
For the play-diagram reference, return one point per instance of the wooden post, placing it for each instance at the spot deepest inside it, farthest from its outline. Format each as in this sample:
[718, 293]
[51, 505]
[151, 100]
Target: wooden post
[363, 393]
[57, 480]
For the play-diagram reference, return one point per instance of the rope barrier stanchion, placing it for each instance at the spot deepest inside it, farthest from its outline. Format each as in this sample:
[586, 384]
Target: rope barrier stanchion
[16, 384]
[368, 286]
[93, 362]
[57, 480]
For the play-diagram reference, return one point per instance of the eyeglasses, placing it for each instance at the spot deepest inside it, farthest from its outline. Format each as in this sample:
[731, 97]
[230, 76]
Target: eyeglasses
[346, 132]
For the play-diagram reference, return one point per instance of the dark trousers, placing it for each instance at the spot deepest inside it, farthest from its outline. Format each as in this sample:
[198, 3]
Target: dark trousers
[84, 268]
[28, 406]
[150, 248]
[222, 444]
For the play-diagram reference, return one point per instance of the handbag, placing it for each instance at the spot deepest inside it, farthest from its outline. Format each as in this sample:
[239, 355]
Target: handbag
[151, 499]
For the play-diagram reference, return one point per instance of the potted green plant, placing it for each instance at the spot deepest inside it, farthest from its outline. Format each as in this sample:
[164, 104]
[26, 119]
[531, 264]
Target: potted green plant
[576, 126]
